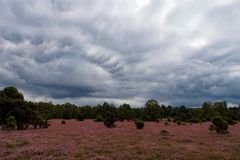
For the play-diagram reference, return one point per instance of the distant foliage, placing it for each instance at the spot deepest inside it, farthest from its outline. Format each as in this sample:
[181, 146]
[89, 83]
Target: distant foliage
[139, 123]
[109, 120]
[27, 113]
[194, 120]
[45, 124]
[79, 117]
[219, 125]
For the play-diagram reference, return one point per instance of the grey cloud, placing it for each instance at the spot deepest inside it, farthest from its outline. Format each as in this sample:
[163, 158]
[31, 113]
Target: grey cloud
[176, 52]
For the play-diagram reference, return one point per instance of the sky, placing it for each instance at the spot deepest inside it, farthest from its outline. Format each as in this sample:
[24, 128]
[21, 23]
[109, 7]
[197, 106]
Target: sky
[121, 51]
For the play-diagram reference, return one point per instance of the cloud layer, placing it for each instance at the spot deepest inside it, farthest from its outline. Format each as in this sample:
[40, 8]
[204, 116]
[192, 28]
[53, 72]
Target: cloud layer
[120, 51]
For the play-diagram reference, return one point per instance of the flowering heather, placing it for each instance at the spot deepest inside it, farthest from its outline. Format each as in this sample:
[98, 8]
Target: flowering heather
[91, 140]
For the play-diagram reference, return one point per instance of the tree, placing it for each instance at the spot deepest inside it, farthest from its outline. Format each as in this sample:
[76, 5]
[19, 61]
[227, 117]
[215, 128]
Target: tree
[221, 108]
[11, 92]
[124, 111]
[207, 110]
[152, 110]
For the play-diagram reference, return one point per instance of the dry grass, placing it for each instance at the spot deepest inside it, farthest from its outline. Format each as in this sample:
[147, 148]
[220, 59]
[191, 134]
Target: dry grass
[92, 140]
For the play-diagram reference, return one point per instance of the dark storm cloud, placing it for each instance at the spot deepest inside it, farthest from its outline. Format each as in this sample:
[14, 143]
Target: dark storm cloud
[92, 51]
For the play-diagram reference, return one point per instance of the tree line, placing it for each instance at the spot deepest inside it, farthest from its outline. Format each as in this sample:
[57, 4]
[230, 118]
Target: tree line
[15, 110]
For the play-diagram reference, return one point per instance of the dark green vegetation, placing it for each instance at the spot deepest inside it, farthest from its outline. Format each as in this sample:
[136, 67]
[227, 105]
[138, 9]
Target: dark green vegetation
[219, 125]
[139, 124]
[15, 112]
[109, 120]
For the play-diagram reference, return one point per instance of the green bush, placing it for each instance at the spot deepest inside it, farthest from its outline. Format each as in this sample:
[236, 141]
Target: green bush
[219, 125]
[194, 120]
[230, 121]
[109, 120]
[38, 121]
[63, 122]
[99, 118]
[11, 122]
[139, 123]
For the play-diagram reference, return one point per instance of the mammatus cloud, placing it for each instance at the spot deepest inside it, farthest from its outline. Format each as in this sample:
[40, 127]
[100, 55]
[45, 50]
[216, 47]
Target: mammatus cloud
[88, 52]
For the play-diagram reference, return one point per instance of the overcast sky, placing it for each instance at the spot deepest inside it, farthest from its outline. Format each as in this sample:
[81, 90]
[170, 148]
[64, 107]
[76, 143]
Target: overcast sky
[91, 51]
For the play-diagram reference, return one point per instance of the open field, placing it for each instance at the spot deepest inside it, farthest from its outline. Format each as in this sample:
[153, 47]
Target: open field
[92, 140]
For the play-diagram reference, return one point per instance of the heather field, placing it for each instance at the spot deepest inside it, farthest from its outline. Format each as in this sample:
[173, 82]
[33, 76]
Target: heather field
[92, 140]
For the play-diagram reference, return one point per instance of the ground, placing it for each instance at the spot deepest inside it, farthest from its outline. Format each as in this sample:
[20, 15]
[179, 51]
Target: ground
[92, 140]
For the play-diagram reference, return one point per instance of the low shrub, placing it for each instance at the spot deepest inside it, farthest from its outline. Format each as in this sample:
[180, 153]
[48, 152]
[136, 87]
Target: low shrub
[219, 125]
[194, 120]
[230, 121]
[166, 123]
[178, 122]
[63, 122]
[139, 123]
[11, 123]
[38, 121]
[109, 120]
[211, 128]
[164, 133]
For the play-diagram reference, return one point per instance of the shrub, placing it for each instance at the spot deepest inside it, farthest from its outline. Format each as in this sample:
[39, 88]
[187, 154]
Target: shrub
[99, 118]
[219, 125]
[109, 120]
[139, 123]
[230, 121]
[211, 128]
[166, 123]
[38, 121]
[164, 133]
[79, 117]
[63, 122]
[178, 122]
[194, 120]
[11, 122]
